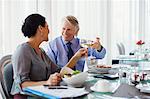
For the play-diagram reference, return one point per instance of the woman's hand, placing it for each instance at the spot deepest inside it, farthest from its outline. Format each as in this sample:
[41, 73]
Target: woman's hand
[81, 52]
[96, 44]
[54, 79]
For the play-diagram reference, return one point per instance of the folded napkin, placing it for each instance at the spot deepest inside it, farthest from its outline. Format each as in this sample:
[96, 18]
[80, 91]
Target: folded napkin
[127, 91]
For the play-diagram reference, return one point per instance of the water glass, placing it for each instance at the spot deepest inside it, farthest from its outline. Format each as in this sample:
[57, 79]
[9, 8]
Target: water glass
[124, 74]
[91, 63]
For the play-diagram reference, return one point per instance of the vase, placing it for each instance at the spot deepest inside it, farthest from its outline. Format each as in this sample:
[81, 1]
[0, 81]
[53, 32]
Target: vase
[139, 53]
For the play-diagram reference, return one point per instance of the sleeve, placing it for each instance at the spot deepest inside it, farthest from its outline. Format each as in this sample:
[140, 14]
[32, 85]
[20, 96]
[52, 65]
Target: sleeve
[50, 51]
[98, 54]
[21, 65]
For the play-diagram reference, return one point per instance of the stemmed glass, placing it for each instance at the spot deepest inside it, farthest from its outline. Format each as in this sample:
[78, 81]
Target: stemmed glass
[86, 44]
[91, 61]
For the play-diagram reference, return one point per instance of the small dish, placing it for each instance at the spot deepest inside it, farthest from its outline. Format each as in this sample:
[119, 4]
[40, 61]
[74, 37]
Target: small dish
[111, 88]
[94, 89]
[102, 68]
[143, 88]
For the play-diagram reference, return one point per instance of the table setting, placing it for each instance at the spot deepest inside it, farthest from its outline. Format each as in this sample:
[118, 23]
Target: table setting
[117, 81]
[91, 85]
[105, 81]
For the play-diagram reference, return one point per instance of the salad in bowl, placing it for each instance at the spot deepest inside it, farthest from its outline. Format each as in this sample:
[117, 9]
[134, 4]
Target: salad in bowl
[75, 79]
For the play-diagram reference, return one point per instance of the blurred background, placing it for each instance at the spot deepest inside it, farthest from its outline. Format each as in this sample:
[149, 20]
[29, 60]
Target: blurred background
[114, 21]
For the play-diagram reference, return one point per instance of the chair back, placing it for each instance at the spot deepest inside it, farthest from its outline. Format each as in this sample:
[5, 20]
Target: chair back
[121, 48]
[6, 76]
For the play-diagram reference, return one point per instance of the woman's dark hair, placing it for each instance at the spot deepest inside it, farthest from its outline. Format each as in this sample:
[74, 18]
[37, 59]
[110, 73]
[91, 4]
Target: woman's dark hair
[31, 24]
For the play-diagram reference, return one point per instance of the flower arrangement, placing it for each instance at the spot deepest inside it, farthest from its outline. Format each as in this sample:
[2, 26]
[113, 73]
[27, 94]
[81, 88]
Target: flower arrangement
[140, 42]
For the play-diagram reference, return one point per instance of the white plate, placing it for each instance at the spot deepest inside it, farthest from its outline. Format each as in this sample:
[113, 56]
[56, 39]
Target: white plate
[113, 88]
[126, 56]
[94, 89]
[106, 70]
[115, 66]
[143, 88]
[102, 70]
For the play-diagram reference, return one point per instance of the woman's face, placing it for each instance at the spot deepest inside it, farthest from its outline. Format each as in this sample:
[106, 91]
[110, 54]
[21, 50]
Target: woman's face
[45, 32]
[68, 31]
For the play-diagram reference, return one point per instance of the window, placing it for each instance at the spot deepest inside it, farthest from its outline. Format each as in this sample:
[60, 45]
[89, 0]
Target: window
[113, 21]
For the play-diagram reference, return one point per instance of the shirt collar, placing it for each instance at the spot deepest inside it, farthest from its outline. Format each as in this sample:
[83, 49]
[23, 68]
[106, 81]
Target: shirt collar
[73, 41]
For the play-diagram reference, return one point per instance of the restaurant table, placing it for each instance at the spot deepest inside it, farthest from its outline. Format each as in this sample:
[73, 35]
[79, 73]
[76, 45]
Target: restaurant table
[124, 91]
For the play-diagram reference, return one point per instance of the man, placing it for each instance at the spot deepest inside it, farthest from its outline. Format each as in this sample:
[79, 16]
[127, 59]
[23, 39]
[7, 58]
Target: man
[61, 48]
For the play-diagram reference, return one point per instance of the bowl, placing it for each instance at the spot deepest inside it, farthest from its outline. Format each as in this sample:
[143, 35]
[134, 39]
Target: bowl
[76, 80]
[102, 86]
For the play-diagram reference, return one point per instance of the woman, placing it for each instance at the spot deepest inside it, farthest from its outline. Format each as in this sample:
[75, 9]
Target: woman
[57, 49]
[31, 65]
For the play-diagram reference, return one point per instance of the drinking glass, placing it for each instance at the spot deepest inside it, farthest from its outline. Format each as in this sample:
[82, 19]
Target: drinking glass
[124, 74]
[86, 44]
[90, 60]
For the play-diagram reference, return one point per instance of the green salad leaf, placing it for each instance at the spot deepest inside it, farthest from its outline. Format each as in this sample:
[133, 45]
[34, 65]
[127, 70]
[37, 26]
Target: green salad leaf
[76, 72]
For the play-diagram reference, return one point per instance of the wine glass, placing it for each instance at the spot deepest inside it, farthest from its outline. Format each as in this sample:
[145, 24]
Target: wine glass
[91, 61]
[86, 44]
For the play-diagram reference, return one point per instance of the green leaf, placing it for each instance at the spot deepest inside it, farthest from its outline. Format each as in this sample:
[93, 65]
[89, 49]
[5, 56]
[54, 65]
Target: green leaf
[76, 72]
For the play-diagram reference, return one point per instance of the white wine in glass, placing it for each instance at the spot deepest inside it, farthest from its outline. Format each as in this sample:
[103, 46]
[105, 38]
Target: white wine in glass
[85, 43]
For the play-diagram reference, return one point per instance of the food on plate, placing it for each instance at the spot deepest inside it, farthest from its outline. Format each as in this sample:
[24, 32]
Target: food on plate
[76, 72]
[76, 80]
[103, 66]
[68, 75]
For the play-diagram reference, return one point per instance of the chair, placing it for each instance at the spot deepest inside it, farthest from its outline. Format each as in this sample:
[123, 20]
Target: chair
[121, 48]
[6, 76]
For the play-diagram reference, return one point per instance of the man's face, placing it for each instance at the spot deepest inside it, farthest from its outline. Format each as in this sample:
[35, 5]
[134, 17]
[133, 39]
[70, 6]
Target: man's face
[68, 31]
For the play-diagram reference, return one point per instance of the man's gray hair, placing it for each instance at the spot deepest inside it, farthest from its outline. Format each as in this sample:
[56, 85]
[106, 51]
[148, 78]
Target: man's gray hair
[73, 20]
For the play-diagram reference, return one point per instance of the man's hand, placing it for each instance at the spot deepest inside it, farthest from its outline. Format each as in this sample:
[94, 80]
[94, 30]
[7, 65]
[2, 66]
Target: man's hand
[96, 44]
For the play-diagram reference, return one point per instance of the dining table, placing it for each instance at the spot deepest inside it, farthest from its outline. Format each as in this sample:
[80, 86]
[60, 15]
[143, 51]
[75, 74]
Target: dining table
[122, 91]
